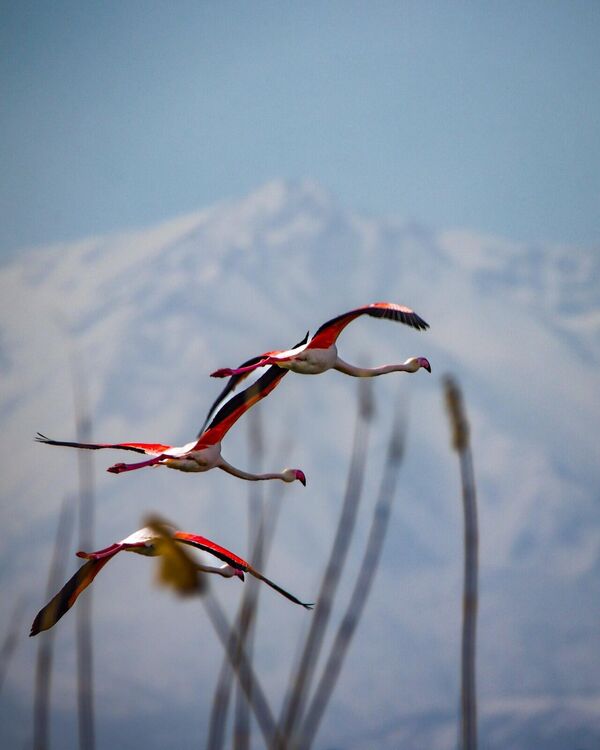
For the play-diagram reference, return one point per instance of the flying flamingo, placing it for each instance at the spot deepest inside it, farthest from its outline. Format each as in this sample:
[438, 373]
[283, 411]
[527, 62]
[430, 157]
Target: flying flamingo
[146, 542]
[320, 353]
[204, 453]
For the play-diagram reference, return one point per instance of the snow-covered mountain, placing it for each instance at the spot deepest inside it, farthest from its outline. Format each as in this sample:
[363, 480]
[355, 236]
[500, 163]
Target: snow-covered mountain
[148, 314]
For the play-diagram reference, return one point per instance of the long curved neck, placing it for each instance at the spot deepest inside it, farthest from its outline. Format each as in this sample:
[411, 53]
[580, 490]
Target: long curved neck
[369, 372]
[245, 474]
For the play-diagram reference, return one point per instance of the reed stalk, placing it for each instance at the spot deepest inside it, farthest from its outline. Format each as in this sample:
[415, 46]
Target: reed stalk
[242, 727]
[243, 669]
[11, 639]
[85, 687]
[301, 678]
[45, 653]
[370, 562]
[461, 443]
[246, 611]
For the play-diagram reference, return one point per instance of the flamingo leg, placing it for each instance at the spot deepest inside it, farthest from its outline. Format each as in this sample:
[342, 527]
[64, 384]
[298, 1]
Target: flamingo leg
[120, 468]
[226, 372]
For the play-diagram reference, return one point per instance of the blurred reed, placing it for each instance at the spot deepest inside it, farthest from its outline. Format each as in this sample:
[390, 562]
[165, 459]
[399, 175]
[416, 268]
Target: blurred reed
[178, 570]
[301, 677]
[11, 640]
[85, 676]
[245, 629]
[247, 610]
[43, 672]
[243, 668]
[370, 562]
[460, 442]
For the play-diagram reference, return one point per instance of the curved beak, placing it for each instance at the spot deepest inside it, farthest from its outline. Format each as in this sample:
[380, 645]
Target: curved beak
[425, 364]
[300, 476]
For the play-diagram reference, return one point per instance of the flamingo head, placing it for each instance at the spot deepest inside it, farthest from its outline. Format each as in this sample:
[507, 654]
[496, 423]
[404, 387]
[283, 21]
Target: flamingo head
[416, 363]
[291, 475]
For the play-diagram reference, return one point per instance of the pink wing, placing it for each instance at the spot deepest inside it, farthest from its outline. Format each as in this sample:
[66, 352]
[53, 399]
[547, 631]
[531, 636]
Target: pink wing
[207, 545]
[235, 562]
[329, 331]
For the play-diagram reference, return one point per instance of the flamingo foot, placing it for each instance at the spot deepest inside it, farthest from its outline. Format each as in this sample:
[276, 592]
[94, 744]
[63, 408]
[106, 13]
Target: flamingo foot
[117, 468]
[224, 372]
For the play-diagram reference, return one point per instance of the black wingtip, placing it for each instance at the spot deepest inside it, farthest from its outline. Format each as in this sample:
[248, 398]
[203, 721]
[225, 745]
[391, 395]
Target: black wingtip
[420, 324]
[35, 626]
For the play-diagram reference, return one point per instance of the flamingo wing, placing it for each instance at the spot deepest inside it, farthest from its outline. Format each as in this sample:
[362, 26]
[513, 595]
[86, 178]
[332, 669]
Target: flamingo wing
[67, 596]
[328, 333]
[230, 411]
[146, 448]
[231, 385]
[236, 562]
[235, 380]
[207, 545]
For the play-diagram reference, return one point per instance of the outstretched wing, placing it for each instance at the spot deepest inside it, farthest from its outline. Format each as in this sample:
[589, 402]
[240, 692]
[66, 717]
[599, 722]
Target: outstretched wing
[328, 332]
[231, 385]
[235, 380]
[230, 411]
[236, 562]
[146, 448]
[207, 545]
[66, 597]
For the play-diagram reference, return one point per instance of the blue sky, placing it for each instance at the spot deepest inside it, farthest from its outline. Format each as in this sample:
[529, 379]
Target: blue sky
[454, 114]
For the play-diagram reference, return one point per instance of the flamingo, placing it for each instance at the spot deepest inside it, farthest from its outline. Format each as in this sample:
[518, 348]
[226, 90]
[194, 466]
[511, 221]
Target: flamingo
[204, 453]
[320, 353]
[146, 542]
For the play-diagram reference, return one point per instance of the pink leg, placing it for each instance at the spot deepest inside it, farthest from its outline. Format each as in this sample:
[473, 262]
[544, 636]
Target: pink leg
[226, 372]
[120, 468]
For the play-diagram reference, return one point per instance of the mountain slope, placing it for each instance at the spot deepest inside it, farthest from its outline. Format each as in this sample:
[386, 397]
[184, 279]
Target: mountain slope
[148, 314]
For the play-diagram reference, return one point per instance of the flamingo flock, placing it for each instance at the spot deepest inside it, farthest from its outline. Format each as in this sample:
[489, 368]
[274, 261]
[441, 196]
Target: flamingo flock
[308, 357]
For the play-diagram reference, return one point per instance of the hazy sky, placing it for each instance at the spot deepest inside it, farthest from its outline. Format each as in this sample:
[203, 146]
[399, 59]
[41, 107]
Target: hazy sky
[483, 115]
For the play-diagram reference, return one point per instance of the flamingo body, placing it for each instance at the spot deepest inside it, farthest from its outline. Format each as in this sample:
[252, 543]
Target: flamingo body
[312, 361]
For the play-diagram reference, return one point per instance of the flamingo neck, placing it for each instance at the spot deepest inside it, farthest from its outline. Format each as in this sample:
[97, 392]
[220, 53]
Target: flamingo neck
[369, 372]
[241, 474]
